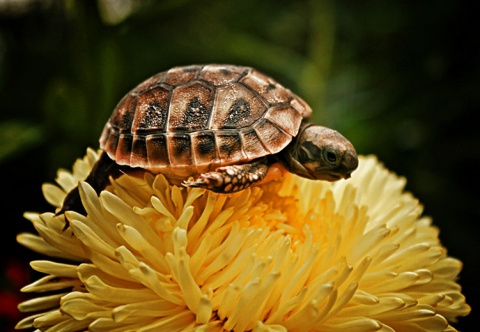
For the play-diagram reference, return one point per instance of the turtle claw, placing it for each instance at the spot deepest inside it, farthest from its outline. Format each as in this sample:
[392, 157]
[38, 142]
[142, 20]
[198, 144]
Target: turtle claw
[209, 180]
[193, 183]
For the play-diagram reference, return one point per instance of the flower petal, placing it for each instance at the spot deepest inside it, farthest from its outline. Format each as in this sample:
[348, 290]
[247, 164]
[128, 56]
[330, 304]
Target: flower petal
[294, 255]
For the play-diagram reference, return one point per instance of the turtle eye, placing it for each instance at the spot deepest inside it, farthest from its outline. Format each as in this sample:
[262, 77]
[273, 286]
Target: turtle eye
[331, 157]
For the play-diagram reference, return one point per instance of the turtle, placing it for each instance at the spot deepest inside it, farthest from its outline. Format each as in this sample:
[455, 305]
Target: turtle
[217, 126]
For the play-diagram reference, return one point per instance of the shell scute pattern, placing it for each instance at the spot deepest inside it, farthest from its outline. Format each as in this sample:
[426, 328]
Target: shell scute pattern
[122, 118]
[181, 75]
[285, 118]
[204, 150]
[190, 108]
[180, 151]
[139, 150]
[222, 74]
[252, 145]
[157, 151]
[149, 83]
[152, 112]
[190, 120]
[272, 136]
[230, 146]
[236, 107]
[270, 90]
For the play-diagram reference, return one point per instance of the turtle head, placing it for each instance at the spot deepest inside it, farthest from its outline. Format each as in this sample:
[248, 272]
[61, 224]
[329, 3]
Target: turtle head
[320, 153]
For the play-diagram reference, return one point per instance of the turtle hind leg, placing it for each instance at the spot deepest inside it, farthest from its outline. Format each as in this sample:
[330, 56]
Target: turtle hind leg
[72, 202]
[98, 179]
[230, 179]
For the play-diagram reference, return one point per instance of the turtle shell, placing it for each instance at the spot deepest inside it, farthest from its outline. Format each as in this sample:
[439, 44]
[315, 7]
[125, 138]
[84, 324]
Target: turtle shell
[191, 120]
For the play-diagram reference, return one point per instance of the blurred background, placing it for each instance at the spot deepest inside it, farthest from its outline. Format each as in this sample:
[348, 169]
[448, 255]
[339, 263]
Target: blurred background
[400, 79]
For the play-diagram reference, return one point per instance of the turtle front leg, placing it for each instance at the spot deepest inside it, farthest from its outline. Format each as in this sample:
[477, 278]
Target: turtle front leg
[230, 179]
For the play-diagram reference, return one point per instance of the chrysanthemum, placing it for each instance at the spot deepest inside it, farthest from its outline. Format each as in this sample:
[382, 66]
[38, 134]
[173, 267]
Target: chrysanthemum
[292, 255]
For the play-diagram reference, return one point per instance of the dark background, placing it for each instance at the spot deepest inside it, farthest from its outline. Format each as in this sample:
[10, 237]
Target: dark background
[400, 79]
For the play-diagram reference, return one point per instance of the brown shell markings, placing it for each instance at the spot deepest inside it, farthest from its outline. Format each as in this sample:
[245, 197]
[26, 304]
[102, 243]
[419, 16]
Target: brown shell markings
[190, 120]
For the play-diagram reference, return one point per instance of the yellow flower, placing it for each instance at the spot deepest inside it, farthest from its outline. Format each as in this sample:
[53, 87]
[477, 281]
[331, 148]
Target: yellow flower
[293, 255]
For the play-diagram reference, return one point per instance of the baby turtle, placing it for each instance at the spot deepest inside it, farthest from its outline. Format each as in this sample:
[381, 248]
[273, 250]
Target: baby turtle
[221, 127]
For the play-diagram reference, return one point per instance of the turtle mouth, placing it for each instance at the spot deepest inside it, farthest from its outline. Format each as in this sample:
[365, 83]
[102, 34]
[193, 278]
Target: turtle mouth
[333, 177]
[330, 177]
